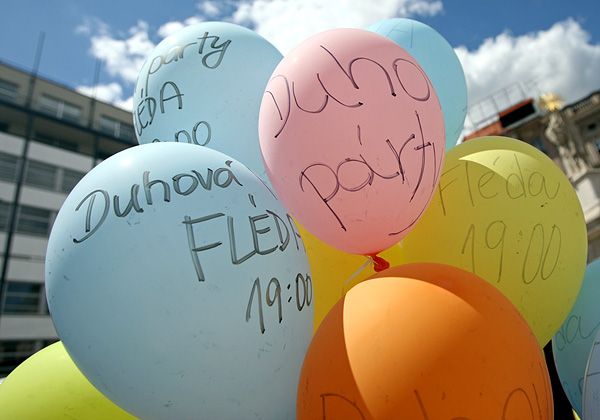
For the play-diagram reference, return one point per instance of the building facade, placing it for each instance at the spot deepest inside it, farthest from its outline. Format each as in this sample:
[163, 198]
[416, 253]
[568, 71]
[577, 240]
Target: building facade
[50, 137]
[570, 135]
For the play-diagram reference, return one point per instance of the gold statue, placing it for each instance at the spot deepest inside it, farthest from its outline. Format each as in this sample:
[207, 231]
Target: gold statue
[551, 102]
[557, 133]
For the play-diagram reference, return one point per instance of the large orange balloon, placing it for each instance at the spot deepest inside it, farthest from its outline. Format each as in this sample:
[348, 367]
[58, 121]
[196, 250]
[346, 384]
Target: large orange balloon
[424, 342]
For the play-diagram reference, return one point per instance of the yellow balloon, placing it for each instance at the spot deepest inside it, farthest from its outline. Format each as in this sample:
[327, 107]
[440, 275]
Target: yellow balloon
[505, 211]
[335, 272]
[49, 386]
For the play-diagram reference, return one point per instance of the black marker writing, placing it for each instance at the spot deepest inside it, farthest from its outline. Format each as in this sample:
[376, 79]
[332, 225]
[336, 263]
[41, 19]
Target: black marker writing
[269, 232]
[274, 296]
[145, 111]
[284, 104]
[331, 397]
[327, 182]
[182, 184]
[481, 187]
[541, 255]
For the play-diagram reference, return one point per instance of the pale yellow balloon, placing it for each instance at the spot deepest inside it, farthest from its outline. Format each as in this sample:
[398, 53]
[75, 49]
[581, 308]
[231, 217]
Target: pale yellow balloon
[49, 386]
[335, 272]
[506, 212]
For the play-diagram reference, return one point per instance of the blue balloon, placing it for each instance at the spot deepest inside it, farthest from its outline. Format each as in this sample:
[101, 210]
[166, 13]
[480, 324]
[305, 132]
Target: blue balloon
[573, 342]
[591, 384]
[204, 85]
[180, 287]
[435, 55]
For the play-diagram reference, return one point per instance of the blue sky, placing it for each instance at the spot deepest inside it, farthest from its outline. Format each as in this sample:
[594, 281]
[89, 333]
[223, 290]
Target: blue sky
[554, 43]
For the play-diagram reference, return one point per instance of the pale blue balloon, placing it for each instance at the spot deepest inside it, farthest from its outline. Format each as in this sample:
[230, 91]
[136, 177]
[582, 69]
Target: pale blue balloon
[437, 57]
[572, 343]
[591, 384]
[204, 85]
[180, 287]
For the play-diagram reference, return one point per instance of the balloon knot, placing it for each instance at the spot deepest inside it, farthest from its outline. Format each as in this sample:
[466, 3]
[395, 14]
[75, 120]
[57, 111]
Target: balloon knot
[379, 264]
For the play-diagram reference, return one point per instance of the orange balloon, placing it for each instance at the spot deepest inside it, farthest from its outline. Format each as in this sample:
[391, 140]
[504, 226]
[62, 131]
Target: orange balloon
[424, 342]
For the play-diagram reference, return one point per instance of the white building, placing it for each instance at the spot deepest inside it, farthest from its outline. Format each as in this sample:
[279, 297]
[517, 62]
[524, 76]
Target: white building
[67, 134]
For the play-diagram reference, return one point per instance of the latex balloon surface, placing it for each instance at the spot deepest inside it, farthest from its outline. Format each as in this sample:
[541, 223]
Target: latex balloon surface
[180, 286]
[439, 61]
[352, 136]
[424, 341]
[48, 385]
[591, 382]
[506, 212]
[572, 344]
[203, 85]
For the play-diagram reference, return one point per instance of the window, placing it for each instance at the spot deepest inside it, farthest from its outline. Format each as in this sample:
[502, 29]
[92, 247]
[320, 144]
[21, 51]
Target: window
[8, 90]
[127, 132]
[116, 128]
[44, 307]
[22, 298]
[70, 179]
[40, 174]
[13, 353]
[50, 105]
[52, 141]
[71, 112]
[46, 343]
[109, 126]
[4, 215]
[33, 221]
[592, 126]
[43, 175]
[8, 167]
[59, 108]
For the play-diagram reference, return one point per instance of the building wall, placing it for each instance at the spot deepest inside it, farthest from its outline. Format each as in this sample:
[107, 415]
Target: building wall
[70, 133]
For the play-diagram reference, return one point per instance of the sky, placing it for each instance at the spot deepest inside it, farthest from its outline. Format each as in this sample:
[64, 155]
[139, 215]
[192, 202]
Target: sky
[534, 45]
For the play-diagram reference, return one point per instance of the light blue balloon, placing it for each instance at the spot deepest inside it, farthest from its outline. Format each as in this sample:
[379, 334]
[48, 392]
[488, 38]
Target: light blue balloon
[204, 85]
[435, 55]
[180, 287]
[572, 343]
[591, 384]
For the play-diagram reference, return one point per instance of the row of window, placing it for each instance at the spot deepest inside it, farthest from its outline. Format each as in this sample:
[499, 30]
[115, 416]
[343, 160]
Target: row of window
[59, 108]
[14, 352]
[22, 298]
[30, 220]
[25, 298]
[39, 174]
[8, 90]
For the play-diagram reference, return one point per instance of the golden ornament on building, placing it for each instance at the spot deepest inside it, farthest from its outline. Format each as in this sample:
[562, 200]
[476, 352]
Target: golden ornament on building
[551, 102]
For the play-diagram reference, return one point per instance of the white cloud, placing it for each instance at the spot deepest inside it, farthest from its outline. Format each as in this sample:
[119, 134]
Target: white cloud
[123, 57]
[126, 104]
[209, 8]
[170, 28]
[285, 23]
[109, 92]
[561, 60]
[90, 25]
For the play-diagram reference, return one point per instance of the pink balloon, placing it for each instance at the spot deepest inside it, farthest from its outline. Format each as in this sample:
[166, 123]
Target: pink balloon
[352, 135]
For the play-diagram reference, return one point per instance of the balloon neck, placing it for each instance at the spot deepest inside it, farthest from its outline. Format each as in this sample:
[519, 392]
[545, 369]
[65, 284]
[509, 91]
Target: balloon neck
[379, 264]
